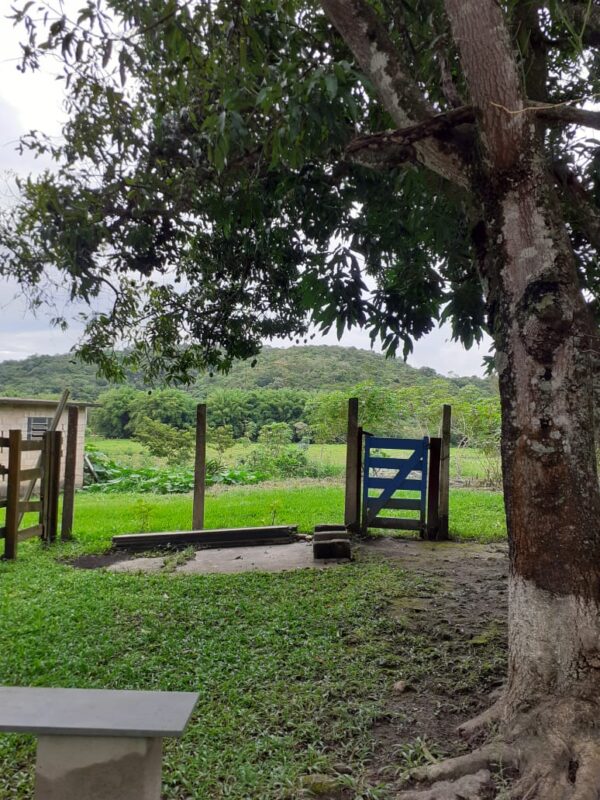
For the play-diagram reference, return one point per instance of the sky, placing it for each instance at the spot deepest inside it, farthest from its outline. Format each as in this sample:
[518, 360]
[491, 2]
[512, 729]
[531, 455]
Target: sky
[33, 101]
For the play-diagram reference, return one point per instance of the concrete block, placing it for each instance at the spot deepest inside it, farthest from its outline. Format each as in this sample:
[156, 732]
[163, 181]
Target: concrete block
[327, 536]
[98, 768]
[329, 526]
[332, 548]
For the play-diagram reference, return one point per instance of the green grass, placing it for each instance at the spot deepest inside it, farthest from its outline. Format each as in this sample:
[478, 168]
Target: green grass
[292, 669]
[473, 514]
[283, 692]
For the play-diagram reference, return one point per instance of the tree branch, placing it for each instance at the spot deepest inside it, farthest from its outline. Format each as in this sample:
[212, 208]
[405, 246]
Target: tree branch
[361, 29]
[586, 214]
[585, 17]
[569, 115]
[392, 148]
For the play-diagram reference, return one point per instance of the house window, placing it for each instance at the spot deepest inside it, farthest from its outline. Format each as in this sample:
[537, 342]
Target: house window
[37, 427]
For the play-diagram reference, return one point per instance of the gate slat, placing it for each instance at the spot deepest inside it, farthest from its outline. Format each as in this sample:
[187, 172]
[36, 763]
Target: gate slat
[378, 462]
[403, 503]
[378, 442]
[410, 484]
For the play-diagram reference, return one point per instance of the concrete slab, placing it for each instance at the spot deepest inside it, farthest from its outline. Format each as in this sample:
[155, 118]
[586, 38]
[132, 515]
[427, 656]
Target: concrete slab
[94, 712]
[278, 558]
[150, 565]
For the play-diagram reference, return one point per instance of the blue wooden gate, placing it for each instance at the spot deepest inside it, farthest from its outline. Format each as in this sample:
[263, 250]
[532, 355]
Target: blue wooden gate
[406, 474]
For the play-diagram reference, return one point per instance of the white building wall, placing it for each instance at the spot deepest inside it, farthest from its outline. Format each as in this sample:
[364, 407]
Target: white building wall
[15, 417]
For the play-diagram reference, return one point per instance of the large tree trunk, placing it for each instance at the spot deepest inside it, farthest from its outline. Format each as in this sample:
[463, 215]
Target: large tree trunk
[544, 340]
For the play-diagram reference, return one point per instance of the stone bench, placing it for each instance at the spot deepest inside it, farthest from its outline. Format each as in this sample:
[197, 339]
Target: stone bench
[96, 744]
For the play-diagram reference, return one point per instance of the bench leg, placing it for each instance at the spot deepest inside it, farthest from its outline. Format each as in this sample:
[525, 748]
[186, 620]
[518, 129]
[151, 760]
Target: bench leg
[98, 768]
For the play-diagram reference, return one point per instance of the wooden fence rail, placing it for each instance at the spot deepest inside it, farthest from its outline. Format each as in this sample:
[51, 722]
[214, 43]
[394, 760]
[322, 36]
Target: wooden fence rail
[49, 475]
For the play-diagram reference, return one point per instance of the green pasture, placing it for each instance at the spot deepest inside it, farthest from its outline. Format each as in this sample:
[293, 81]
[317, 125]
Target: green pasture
[467, 465]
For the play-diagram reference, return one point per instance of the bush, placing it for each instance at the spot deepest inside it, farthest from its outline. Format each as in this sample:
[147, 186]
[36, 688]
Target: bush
[115, 478]
[278, 458]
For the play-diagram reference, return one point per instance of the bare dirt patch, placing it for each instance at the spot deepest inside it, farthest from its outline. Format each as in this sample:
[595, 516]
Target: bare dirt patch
[456, 638]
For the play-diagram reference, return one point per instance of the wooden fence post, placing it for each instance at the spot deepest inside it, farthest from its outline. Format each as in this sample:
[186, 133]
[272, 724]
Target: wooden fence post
[351, 515]
[199, 468]
[13, 491]
[68, 508]
[54, 444]
[359, 446]
[433, 488]
[445, 471]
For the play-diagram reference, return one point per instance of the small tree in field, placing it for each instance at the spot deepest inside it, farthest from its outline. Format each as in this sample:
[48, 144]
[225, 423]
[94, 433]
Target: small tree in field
[265, 156]
[221, 439]
[163, 441]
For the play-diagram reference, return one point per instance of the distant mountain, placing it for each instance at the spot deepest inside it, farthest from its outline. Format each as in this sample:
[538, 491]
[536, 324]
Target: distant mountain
[313, 367]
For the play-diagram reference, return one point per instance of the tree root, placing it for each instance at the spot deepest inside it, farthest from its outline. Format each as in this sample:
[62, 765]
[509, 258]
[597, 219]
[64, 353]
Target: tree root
[553, 749]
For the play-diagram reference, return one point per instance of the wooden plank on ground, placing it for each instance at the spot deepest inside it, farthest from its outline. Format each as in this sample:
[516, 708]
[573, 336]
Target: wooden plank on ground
[217, 537]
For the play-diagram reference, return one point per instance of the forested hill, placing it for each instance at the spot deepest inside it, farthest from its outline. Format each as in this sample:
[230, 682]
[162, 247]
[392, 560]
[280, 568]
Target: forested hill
[317, 368]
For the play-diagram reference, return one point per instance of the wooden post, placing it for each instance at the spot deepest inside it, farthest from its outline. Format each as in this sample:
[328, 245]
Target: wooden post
[359, 446]
[351, 515]
[199, 468]
[68, 509]
[54, 442]
[13, 491]
[445, 471]
[433, 488]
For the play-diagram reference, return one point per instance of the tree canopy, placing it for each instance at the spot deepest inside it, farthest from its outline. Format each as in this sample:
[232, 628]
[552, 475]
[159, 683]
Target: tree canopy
[215, 173]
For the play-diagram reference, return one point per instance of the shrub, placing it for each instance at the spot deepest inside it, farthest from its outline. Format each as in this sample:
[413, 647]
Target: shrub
[164, 441]
[115, 478]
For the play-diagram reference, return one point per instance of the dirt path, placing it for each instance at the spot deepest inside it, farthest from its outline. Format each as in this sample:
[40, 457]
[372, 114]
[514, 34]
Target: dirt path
[452, 642]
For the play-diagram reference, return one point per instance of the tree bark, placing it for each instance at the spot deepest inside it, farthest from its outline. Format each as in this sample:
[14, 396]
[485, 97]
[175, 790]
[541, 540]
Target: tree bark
[544, 338]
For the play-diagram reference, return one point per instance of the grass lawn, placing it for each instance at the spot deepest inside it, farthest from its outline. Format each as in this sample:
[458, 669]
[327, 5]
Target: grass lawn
[474, 514]
[292, 669]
